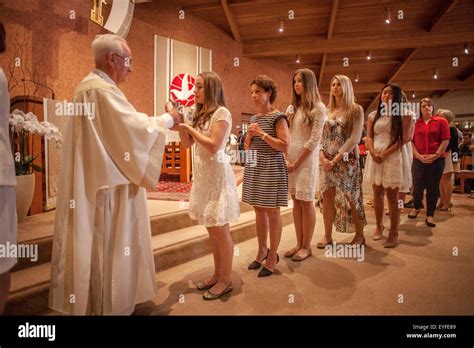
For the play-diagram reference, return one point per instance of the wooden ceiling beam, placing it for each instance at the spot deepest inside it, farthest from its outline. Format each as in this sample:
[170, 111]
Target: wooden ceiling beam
[332, 21]
[202, 8]
[321, 69]
[414, 85]
[394, 75]
[231, 20]
[467, 73]
[410, 55]
[357, 63]
[448, 5]
[339, 65]
[317, 45]
[214, 5]
[446, 93]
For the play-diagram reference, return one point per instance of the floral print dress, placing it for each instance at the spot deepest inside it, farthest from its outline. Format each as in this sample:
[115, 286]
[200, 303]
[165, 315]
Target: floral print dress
[346, 177]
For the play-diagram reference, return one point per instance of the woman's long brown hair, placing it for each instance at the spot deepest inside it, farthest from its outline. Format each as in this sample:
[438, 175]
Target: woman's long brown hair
[309, 98]
[213, 98]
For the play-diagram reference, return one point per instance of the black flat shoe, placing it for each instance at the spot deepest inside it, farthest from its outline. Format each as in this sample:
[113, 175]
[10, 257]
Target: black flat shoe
[430, 224]
[265, 272]
[255, 264]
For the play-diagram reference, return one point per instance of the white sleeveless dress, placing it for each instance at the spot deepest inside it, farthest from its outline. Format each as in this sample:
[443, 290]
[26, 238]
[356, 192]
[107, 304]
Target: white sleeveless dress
[213, 200]
[389, 173]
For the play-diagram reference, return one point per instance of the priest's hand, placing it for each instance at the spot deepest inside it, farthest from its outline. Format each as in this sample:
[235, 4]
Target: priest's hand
[175, 128]
[177, 117]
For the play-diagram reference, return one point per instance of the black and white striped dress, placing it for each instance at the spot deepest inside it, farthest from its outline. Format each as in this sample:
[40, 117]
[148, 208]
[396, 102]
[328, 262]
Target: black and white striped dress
[265, 176]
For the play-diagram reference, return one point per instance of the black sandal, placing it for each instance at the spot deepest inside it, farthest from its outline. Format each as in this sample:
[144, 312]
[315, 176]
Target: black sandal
[255, 264]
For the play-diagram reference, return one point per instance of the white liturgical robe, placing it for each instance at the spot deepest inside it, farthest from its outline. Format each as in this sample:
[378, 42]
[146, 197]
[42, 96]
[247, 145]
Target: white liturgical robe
[8, 218]
[102, 260]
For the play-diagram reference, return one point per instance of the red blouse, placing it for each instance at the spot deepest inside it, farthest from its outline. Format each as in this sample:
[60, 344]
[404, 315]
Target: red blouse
[428, 137]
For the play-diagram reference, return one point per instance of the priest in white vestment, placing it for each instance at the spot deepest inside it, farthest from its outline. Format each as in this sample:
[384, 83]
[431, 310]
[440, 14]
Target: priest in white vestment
[8, 218]
[102, 262]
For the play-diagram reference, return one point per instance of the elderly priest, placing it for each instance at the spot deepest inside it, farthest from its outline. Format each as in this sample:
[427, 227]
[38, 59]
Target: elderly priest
[102, 262]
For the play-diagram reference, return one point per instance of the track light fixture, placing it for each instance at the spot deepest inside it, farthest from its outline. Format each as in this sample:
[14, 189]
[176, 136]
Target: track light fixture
[388, 16]
[282, 26]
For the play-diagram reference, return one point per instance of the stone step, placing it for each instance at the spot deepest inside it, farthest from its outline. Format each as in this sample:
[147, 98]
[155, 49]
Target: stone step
[37, 231]
[30, 286]
[174, 248]
[165, 223]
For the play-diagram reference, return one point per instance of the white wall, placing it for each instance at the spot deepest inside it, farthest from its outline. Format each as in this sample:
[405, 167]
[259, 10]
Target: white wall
[461, 102]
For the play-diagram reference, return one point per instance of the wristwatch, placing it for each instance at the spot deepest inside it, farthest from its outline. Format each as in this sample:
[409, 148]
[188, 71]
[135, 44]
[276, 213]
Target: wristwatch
[264, 135]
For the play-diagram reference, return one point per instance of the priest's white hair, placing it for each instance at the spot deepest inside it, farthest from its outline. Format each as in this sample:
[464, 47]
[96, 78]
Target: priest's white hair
[106, 43]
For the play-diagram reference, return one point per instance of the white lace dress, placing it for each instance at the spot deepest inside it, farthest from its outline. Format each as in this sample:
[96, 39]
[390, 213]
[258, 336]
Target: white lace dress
[213, 200]
[389, 173]
[303, 181]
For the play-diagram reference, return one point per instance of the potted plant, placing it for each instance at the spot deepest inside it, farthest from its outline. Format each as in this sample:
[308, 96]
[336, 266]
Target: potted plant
[23, 127]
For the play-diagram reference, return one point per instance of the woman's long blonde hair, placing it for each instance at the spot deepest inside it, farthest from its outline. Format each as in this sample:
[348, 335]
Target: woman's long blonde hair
[351, 109]
[309, 98]
[213, 98]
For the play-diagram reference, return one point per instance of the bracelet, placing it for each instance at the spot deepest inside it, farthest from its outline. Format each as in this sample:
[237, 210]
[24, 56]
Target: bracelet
[264, 135]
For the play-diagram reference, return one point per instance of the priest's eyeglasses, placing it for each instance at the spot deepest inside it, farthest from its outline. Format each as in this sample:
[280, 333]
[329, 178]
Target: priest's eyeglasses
[127, 60]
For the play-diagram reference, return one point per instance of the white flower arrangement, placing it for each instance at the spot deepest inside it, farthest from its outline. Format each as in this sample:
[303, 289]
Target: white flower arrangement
[23, 126]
